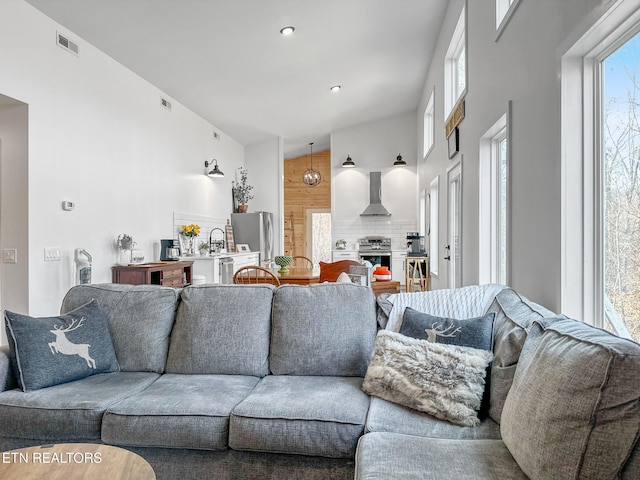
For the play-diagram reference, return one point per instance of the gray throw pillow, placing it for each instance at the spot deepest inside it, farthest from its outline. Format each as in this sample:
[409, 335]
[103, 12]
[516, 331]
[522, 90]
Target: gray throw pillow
[472, 332]
[52, 350]
[446, 381]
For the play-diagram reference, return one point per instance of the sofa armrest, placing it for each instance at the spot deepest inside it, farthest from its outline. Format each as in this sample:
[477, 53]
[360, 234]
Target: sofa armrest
[7, 380]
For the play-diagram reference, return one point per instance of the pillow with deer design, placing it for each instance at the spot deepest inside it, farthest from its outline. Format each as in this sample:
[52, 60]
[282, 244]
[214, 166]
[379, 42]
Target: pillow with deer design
[52, 350]
[473, 332]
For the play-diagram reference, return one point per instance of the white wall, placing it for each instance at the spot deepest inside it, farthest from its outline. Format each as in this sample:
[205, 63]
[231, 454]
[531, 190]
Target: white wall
[264, 163]
[523, 66]
[374, 147]
[99, 137]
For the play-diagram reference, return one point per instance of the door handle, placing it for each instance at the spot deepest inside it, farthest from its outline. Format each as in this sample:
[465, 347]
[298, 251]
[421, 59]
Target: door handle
[448, 258]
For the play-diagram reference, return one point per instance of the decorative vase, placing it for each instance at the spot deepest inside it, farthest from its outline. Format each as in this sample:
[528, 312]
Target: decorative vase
[283, 261]
[188, 245]
[124, 257]
[243, 207]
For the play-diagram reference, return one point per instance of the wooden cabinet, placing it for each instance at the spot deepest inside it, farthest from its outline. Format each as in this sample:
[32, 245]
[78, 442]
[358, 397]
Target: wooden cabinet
[167, 274]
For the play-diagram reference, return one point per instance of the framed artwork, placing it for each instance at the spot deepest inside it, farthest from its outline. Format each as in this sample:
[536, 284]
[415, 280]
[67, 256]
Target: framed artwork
[242, 247]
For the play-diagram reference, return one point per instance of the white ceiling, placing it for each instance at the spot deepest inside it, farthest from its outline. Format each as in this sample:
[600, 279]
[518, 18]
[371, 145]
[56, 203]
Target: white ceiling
[226, 60]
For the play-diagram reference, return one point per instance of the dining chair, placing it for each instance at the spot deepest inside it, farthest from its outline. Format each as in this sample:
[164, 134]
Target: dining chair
[255, 274]
[329, 272]
[302, 261]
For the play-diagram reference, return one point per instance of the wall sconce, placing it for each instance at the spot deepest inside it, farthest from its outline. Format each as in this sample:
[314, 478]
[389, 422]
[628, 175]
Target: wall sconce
[399, 162]
[215, 172]
[348, 163]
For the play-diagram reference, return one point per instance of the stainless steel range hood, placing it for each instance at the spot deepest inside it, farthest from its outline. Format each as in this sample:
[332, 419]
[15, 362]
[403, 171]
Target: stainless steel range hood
[375, 208]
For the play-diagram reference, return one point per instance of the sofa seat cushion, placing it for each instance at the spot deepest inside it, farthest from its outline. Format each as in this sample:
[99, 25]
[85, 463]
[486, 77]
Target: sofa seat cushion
[388, 456]
[321, 416]
[326, 329]
[140, 320]
[574, 408]
[386, 416]
[178, 411]
[71, 411]
[222, 330]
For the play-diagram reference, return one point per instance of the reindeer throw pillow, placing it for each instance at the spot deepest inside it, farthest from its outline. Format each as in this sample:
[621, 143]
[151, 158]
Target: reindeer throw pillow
[472, 332]
[52, 350]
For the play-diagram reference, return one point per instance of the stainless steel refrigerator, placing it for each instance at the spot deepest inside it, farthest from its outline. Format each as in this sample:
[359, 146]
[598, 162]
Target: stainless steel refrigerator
[256, 230]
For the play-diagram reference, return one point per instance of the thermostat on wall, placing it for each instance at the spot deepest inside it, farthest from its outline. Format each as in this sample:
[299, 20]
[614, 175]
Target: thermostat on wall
[68, 206]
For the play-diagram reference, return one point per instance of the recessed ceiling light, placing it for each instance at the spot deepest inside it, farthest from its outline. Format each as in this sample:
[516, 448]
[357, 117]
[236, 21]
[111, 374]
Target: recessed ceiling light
[336, 88]
[287, 30]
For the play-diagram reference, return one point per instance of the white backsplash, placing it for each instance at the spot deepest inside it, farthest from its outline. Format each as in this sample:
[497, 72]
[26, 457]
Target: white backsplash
[353, 231]
[206, 225]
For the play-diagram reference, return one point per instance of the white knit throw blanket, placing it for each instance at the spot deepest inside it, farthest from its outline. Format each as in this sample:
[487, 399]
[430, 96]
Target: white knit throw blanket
[459, 303]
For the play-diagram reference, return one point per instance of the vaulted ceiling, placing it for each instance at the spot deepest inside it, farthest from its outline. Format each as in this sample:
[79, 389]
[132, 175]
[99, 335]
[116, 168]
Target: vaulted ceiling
[227, 61]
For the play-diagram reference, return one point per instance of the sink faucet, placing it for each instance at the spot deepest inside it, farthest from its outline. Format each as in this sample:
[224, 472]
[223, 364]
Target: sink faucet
[211, 235]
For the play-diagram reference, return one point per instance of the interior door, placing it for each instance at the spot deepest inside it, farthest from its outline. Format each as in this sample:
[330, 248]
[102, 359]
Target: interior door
[454, 226]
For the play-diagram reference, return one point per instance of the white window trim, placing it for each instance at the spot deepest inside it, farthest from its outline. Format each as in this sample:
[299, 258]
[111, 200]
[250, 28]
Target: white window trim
[489, 208]
[581, 270]
[501, 23]
[454, 174]
[429, 125]
[434, 192]
[457, 44]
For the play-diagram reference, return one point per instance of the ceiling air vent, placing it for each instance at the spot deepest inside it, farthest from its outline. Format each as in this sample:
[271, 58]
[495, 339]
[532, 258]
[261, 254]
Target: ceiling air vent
[165, 103]
[68, 45]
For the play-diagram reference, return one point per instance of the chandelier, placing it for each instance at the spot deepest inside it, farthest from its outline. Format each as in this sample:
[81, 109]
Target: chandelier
[311, 177]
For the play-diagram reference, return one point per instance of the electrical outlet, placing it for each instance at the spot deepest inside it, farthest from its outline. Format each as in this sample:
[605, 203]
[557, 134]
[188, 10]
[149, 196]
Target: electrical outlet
[10, 255]
[51, 254]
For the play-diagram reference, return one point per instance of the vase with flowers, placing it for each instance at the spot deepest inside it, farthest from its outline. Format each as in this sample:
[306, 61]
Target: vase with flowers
[189, 234]
[125, 246]
[241, 192]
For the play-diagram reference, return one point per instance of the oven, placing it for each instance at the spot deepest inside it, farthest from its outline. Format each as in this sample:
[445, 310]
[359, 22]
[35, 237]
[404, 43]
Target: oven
[376, 250]
[376, 258]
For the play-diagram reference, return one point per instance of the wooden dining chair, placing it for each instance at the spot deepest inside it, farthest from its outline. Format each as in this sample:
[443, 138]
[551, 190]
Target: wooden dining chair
[255, 274]
[302, 261]
[329, 272]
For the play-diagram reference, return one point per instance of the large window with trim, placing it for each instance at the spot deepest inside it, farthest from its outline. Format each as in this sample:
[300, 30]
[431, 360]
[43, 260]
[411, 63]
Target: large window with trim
[601, 173]
[429, 126]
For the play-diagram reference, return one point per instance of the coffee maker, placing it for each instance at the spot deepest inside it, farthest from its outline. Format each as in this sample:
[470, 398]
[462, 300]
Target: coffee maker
[169, 250]
[415, 245]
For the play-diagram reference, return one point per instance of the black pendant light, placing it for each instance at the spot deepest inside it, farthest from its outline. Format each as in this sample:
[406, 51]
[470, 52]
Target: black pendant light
[311, 177]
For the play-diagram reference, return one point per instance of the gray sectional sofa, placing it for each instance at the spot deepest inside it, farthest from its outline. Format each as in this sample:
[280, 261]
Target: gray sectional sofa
[254, 382]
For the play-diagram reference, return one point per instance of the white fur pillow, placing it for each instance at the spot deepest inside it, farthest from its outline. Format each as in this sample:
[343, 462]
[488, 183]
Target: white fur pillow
[446, 381]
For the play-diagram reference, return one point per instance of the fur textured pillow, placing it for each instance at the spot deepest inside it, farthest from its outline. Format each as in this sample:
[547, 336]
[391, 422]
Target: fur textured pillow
[446, 381]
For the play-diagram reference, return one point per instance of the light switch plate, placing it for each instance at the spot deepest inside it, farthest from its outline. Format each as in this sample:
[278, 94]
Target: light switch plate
[10, 255]
[51, 254]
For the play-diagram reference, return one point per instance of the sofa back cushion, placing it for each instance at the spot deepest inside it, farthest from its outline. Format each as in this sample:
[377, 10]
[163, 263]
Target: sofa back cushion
[514, 316]
[222, 329]
[573, 410]
[325, 329]
[140, 321]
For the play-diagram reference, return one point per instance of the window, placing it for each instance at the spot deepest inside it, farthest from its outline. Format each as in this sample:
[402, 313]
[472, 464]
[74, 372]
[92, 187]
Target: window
[455, 69]
[454, 224]
[429, 126]
[600, 228]
[504, 11]
[619, 167]
[433, 225]
[494, 204]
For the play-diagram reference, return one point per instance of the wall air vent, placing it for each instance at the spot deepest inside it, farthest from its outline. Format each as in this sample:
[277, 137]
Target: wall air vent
[68, 45]
[165, 103]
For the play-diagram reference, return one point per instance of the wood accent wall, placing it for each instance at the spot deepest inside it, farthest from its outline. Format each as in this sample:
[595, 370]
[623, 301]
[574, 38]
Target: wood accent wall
[298, 198]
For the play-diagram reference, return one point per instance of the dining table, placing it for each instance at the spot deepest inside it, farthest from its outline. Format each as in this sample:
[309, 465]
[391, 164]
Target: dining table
[299, 275]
